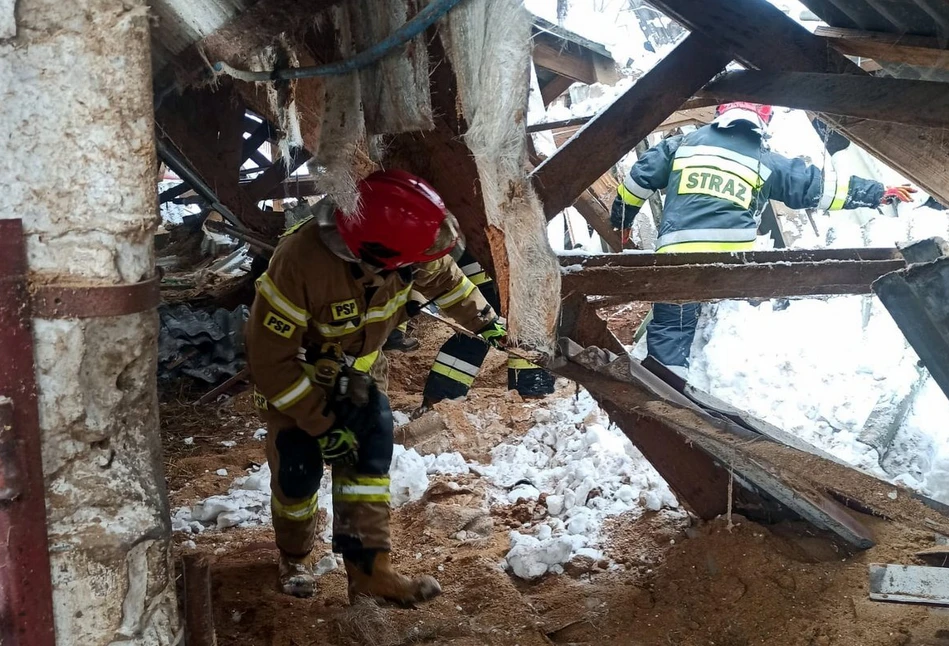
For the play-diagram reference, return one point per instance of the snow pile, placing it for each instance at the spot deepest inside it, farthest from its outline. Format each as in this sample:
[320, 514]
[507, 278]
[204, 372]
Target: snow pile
[582, 470]
[819, 368]
[247, 502]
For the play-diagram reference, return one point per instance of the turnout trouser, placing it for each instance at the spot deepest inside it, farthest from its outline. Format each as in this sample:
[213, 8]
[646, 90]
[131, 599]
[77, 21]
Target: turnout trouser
[670, 333]
[360, 491]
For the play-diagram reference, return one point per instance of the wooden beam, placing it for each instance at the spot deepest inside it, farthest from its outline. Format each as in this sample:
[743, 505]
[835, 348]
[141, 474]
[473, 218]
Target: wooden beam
[275, 175]
[554, 88]
[918, 103]
[598, 216]
[564, 62]
[617, 129]
[762, 37]
[703, 277]
[922, 51]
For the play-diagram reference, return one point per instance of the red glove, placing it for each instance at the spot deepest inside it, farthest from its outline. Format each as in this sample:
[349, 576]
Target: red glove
[894, 194]
[625, 235]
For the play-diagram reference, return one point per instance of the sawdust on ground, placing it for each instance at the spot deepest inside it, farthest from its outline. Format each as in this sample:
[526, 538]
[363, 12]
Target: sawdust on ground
[673, 582]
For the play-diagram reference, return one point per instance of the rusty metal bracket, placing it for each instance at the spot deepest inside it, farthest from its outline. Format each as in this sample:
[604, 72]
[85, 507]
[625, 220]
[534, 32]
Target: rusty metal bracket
[63, 301]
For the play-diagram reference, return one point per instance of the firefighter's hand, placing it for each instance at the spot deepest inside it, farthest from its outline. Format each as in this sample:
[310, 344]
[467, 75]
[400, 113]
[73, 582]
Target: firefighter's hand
[494, 334]
[894, 194]
[338, 446]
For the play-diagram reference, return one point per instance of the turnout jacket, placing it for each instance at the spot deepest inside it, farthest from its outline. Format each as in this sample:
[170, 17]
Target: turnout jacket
[719, 181]
[310, 296]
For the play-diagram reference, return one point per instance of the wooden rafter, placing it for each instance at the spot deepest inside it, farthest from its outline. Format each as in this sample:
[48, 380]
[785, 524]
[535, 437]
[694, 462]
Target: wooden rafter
[554, 88]
[918, 103]
[757, 274]
[564, 62]
[780, 44]
[921, 51]
[612, 133]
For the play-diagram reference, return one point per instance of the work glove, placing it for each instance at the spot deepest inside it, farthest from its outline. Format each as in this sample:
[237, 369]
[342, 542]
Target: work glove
[339, 446]
[894, 194]
[494, 334]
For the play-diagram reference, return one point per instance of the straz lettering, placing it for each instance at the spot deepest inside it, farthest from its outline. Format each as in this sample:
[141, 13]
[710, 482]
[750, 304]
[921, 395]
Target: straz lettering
[717, 183]
[344, 310]
[279, 325]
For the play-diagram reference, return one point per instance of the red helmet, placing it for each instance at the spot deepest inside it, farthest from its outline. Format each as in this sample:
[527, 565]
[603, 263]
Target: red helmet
[763, 111]
[400, 221]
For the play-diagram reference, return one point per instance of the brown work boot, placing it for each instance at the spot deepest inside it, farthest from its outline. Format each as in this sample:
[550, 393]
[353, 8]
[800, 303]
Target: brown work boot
[371, 574]
[297, 576]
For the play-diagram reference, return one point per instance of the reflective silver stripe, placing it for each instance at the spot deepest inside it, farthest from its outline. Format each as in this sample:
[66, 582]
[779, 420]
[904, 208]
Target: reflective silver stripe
[707, 235]
[749, 162]
[830, 189]
[361, 490]
[636, 189]
[457, 294]
[293, 394]
[472, 268]
[458, 364]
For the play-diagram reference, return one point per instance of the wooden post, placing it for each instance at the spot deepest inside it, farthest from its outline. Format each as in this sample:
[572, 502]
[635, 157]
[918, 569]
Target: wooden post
[199, 609]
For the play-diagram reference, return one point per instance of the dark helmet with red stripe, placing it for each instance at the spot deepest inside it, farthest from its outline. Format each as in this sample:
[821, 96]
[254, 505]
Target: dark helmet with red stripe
[400, 220]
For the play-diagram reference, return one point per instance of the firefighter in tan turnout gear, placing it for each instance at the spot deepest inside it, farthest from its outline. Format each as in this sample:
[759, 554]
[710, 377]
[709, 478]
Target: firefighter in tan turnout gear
[337, 286]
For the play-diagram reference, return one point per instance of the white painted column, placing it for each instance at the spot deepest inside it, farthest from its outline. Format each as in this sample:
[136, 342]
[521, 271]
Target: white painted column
[77, 164]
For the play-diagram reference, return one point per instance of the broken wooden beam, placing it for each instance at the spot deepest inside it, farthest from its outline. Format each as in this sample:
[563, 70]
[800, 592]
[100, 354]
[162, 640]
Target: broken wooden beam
[916, 103]
[198, 606]
[909, 584]
[594, 149]
[916, 298]
[714, 276]
[574, 65]
[920, 51]
[554, 88]
[780, 44]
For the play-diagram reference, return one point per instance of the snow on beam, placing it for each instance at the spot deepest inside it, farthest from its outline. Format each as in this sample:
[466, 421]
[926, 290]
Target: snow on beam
[759, 274]
[780, 44]
[594, 149]
[909, 584]
[911, 102]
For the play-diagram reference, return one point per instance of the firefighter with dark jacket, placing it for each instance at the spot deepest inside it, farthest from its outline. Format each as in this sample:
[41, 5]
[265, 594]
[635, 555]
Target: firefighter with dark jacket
[718, 180]
[336, 287]
[460, 358]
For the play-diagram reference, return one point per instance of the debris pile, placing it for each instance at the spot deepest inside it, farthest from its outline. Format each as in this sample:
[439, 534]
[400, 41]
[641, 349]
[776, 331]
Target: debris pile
[202, 345]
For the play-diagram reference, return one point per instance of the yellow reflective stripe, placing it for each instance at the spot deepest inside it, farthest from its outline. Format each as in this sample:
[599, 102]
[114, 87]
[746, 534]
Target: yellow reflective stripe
[300, 389]
[451, 373]
[516, 363]
[403, 326]
[361, 489]
[460, 292]
[365, 363]
[840, 196]
[372, 315]
[300, 511]
[628, 197]
[480, 278]
[685, 247]
[707, 161]
[280, 302]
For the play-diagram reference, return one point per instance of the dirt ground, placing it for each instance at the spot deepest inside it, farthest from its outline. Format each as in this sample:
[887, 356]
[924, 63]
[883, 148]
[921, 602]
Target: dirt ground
[676, 582]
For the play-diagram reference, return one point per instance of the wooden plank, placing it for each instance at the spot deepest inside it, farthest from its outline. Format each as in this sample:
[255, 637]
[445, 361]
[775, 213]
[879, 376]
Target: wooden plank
[739, 258]
[554, 88]
[918, 103]
[921, 51]
[564, 61]
[275, 175]
[909, 584]
[662, 281]
[613, 132]
[762, 37]
[598, 217]
[917, 300]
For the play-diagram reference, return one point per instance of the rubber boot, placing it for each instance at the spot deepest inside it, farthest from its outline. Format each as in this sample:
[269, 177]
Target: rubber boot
[370, 574]
[421, 410]
[296, 575]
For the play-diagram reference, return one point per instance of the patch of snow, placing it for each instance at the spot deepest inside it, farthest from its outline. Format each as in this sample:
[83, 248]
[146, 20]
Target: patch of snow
[228, 444]
[446, 464]
[400, 418]
[586, 469]
[189, 441]
[221, 472]
[260, 434]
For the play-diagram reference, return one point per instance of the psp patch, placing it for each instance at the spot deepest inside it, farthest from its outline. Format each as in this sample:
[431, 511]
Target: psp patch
[344, 310]
[716, 183]
[259, 400]
[279, 325]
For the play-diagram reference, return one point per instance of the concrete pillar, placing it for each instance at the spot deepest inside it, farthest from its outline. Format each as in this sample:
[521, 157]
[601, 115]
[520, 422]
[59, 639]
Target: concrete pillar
[77, 164]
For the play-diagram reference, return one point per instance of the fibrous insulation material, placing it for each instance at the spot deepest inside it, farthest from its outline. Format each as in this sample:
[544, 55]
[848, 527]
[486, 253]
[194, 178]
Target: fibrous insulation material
[586, 470]
[488, 43]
